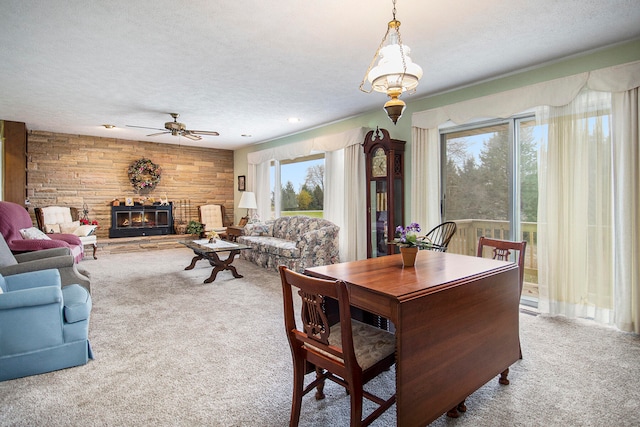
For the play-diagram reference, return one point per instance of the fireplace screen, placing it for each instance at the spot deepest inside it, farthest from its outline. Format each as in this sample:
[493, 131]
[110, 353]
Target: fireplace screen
[129, 221]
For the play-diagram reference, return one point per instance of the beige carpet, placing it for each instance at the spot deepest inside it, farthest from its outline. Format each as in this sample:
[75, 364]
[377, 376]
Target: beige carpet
[172, 351]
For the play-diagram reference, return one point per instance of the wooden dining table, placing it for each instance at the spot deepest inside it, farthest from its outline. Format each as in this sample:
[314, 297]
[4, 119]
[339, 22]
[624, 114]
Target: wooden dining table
[455, 319]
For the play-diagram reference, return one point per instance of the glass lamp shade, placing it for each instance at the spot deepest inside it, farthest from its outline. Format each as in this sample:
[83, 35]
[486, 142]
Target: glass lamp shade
[388, 74]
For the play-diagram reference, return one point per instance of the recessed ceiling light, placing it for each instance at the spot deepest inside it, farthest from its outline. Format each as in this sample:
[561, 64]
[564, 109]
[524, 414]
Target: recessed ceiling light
[109, 126]
[293, 120]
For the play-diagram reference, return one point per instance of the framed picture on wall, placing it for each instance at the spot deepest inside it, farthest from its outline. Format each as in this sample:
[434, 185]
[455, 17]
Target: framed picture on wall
[241, 183]
[128, 201]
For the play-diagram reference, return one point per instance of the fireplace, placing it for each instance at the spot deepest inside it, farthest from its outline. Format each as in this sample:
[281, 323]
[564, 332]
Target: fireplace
[139, 220]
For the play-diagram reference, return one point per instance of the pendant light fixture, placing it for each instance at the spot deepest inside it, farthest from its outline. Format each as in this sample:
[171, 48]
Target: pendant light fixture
[395, 72]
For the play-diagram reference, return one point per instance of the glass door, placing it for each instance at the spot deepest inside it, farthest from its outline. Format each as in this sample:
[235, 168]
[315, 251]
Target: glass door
[379, 218]
[490, 187]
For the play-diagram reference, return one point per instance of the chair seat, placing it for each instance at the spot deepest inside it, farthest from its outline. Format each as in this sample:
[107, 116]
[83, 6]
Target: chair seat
[371, 344]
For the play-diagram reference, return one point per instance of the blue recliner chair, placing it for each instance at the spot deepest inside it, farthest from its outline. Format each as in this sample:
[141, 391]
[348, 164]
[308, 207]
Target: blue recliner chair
[43, 327]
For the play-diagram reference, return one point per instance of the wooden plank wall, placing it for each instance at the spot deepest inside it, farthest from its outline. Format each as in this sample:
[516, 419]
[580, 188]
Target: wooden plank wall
[71, 170]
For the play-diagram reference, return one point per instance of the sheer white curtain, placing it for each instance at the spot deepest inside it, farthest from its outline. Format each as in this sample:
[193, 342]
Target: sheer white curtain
[345, 199]
[355, 197]
[258, 182]
[626, 195]
[425, 180]
[575, 221]
[334, 206]
[589, 207]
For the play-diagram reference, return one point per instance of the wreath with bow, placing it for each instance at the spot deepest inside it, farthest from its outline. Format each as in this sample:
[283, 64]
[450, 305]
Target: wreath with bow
[144, 174]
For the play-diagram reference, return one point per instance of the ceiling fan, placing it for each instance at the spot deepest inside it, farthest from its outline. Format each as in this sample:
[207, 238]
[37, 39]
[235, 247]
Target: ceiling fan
[176, 128]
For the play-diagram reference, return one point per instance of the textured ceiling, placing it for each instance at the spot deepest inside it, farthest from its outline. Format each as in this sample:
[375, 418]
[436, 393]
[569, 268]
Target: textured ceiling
[246, 66]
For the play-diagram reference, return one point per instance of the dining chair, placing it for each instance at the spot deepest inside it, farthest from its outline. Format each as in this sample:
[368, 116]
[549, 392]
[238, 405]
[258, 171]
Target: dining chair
[501, 250]
[438, 238]
[348, 352]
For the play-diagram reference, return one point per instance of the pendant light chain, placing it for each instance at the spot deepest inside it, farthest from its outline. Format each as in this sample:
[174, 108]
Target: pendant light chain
[373, 61]
[404, 62]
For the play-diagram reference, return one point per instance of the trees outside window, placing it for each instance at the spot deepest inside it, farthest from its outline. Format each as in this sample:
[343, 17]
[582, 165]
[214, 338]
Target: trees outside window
[301, 187]
[490, 186]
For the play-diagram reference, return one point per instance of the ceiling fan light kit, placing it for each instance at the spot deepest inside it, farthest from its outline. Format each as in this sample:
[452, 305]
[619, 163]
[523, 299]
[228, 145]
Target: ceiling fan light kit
[395, 73]
[176, 128]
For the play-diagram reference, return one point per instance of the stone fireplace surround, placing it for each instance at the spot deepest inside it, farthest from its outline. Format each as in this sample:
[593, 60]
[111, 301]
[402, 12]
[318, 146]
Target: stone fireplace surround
[70, 170]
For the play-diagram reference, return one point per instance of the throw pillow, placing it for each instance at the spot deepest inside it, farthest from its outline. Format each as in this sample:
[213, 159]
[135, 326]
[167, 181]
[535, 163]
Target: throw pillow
[258, 229]
[69, 227]
[85, 230]
[52, 228]
[33, 234]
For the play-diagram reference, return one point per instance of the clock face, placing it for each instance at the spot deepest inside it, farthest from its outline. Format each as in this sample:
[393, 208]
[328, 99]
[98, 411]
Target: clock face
[379, 163]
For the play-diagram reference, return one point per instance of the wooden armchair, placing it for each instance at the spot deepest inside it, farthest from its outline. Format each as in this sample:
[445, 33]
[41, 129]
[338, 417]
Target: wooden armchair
[212, 218]
[349, 352]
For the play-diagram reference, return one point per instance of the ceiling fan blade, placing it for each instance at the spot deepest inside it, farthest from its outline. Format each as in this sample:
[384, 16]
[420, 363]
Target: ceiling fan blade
[205, 132]
[143, 127]
[187, 134]
[159, 133]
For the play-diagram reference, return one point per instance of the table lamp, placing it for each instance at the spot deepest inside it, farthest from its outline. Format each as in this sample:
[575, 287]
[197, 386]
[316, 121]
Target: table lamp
[248, 201]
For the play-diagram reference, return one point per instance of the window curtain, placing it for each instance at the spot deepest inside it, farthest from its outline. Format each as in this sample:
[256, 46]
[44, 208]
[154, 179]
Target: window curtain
[575, 221]
[355, 196]
[345, 199]
[258, 182]
[619, 297]
[425, 188]
[334, 175]
[626, 201]
[345, 196]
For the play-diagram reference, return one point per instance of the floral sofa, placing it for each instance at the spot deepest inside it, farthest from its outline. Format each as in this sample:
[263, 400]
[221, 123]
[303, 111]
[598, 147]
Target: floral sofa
[298, 242]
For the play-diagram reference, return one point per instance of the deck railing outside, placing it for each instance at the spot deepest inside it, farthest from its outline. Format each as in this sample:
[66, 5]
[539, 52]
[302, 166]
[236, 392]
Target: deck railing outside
[465, 242]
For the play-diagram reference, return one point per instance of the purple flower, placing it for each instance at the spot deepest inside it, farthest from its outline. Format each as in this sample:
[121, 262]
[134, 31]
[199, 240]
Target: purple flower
[407, 235]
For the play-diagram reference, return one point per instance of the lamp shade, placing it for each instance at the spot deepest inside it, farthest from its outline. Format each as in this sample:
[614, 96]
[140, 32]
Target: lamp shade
[248, 201]
[390, 72]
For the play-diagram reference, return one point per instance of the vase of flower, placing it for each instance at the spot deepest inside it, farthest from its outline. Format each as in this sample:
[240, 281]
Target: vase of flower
[408, 242]
[408, 255]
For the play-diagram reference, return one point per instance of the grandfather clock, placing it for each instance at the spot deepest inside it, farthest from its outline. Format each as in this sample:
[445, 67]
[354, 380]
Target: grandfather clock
[385, 190]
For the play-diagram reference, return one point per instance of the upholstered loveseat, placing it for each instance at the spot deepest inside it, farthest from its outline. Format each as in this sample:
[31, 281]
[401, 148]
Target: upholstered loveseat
[298, 242]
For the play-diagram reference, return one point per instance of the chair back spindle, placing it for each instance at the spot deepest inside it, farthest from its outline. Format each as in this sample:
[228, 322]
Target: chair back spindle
[438, 237]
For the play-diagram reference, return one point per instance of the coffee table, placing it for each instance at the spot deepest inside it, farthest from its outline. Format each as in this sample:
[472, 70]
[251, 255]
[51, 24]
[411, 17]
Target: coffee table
[209, 251]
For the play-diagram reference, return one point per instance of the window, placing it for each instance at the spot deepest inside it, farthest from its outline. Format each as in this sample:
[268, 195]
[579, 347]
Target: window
[300, 185]
[490, 186]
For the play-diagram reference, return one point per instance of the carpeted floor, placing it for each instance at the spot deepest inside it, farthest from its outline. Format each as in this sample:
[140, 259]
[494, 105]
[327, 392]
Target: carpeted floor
[173, 351]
